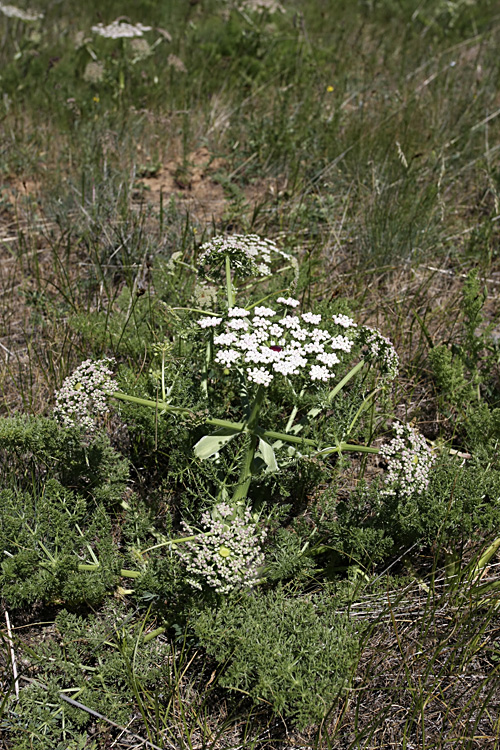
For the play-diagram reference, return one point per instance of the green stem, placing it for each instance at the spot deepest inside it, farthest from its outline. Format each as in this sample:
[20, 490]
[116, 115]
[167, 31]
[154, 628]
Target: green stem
[179, 540]
[153, 634]
[161, 405]
[82, 567]
[206, 366]
[347, 447]
[208, 313]
[345, 380]
[245, 477]
[364, 405]
[487, 555]
[295, 409]
[163, 375]
[236, 426]
[295, 439]
[229, 283]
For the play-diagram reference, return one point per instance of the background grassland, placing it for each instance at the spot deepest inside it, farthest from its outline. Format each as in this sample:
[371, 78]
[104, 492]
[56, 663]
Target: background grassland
[365, 137]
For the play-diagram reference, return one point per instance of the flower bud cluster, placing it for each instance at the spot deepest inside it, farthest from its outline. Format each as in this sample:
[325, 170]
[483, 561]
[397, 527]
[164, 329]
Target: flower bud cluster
[250, 255]
[228, 552]
[409, 461]
[381, 349]
[266, 343]
[82, 396]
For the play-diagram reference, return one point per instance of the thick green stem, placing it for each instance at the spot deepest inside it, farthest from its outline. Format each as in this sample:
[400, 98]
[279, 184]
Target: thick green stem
[229, 283]
[294, 439]
[249, 426]
[245, 477]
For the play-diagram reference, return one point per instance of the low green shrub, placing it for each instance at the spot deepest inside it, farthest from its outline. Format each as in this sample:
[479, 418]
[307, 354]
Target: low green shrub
[295, 654]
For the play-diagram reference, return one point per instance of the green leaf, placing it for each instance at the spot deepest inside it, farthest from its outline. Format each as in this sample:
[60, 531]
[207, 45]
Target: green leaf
[267, 453]
[209, 445]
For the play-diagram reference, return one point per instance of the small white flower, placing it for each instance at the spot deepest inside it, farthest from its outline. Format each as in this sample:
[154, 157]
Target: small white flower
[299, 334]
[290, 322]
[237, 312]
[275, 330]
[262, 347]
[288, 301]
[328, 358]
[260, 376]
[409, 462]
[247, 341]
[259, 356]
[260, 335]
[209, 322]
[264, 312]
[309, 317]
[344, 320]
[225, 339]
[260, 322]
[285, 367]
[382, 349]
[227, 357]
[320, 373]
[296, 359]
[238, 324]
[314, 347]
[342, 343]
[249, 254]
[228, 554]
[83, 394]
[319, 334]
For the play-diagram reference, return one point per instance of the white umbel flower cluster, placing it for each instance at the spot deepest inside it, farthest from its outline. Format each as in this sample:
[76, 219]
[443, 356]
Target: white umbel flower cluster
[82, 396]
[250, 255]
[409, 462]
[288, 301]
[228, 552]
[382, 349]
[120, 30]
[266, 343]
[11, 11]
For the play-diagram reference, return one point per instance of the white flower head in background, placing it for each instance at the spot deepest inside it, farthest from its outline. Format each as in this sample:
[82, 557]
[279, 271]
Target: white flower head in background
[24, 15]
[82, 396]
[176, 63]
[250, 255]
[94, 72]
[120, 30]
[381, 349]
[262, 6]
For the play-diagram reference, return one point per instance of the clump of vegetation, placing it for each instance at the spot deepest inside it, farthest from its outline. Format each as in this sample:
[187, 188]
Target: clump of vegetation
[294, 653]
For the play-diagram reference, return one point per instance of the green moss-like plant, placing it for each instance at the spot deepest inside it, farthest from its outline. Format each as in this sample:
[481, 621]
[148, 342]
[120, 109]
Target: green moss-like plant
[292, 653]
